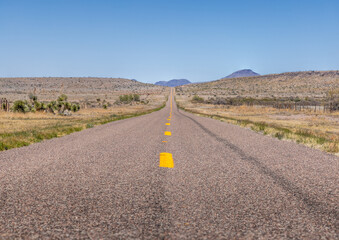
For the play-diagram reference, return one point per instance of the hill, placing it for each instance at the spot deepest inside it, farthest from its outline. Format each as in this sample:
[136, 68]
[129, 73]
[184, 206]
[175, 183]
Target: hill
[311, 84]
[243, 73]
[88, 88]
[173, 82]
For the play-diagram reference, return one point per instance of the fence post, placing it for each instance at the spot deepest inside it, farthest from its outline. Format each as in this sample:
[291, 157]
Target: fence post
[4, 105]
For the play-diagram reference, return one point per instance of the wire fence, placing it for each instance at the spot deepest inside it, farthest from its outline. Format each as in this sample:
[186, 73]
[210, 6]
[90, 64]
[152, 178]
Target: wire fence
[316, 106]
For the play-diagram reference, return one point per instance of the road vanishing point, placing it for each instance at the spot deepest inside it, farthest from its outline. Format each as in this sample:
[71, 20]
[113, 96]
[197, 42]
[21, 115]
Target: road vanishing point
[168, 175]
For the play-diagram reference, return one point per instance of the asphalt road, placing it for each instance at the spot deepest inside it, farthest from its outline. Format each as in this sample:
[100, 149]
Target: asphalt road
[227, 183]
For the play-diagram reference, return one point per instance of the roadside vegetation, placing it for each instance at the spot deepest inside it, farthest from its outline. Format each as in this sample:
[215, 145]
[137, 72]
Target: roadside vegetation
[197, 99]
[27, 123]
[312, 128]
[60, 106]
[328, 104]
[131, 99]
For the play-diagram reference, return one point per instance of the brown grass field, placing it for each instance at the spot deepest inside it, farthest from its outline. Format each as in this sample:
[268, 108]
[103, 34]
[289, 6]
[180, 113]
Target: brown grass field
[77, 89]
[317, 130]
[311, 84]
[22, 129]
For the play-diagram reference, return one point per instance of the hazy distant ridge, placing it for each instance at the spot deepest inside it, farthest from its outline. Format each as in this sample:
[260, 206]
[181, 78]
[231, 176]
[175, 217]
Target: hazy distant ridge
[243, 73]
[173, 82]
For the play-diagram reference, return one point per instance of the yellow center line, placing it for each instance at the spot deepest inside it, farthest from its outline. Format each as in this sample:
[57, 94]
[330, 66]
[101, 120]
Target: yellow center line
[166, 160]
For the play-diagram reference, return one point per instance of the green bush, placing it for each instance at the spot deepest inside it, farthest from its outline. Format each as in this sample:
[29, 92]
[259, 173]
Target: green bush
[52, 106]
[279, 135]
[20, 106]
[32, 97]
[62, 97]
[136, 97]
[32, 106]
[123, 98]
[197, 99]
[75, 107]
[128, 98]
[67, 106]
[39, 106]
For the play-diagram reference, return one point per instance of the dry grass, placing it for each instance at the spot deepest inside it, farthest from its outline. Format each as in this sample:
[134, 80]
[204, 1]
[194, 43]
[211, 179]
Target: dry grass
[19, 129]
[311, 84]
[316, 130]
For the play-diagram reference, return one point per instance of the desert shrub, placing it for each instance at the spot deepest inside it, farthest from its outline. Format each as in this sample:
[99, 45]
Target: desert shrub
[128, 98]
[43, 106]
[136, 97]
[197, 99]
[89, 125]
[123, 98]
[39, 106]
[104, 106]
[61, 105]
[52, 106]
[62, 97]
[75, 107]
[32, 97]
[20, 106]
[262, 126]
[68, 106]
[279, 135]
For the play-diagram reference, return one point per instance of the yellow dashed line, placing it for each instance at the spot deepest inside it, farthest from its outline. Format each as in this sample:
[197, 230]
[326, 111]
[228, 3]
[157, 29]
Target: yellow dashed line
[166, 160]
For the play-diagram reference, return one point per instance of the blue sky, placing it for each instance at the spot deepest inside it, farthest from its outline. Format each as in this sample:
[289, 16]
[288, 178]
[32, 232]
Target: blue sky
[156, 40]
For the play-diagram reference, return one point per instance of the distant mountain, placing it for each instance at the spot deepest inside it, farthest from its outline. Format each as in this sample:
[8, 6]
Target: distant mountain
[173, 82]
[243, 73]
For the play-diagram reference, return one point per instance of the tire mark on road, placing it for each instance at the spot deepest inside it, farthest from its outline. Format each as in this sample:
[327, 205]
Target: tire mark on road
[315, 207]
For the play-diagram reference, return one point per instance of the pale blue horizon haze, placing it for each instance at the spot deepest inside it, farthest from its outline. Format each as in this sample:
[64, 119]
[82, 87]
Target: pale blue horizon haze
[160, 40]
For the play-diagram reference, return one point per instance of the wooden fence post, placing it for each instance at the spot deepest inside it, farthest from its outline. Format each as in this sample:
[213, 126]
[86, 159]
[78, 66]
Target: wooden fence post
[4, 105]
